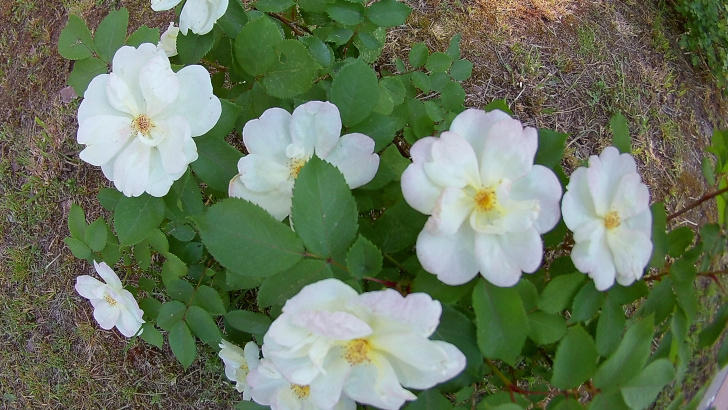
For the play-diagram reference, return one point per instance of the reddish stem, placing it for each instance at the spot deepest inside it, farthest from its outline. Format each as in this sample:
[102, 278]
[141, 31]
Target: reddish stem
[697, 203]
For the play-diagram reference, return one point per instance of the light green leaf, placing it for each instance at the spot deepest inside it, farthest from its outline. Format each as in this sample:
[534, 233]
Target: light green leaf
[248, 240]
[629, 358]
[659, 302]
[110, 34]
[388, 13]
[78, 248]
[254, 45]
[319, 50]
[461, 70]
[438, 62]
[142, 35]
[217, 162]
[152, 335]
[453, 49]
[292, 71]
[96, 235]
[502, 324]
[418, 55]
[575, 360]
[180, 289]
[712, 332]
[345, 12]
[678, 240]
[84, 71]
[641, 391]
[182, 344]
[135, 217]
[75, 42]
[77, 222]
[203, 326]
[550, 148]
[453, 97]
[429, 399]
[659, 235]
[620, 134]
[457, 329]
[273, 6]
[355, 92]
[586, 303]
[283, 286]
[143, 255]
[546, 328]
[559, 292]
[192, 47]
[610, 327]
[109, 198]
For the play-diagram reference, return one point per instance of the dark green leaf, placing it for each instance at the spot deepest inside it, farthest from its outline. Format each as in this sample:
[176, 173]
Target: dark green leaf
[77, 222]
[429, 400]
[319, 50]
[96, 235]
[355, 92]
[292, 71]
[248, 322]
[182, 344]
[388, 13]
[78, 248]
[706, 166]
[209, 299]
[135, 217]
[273, 6]
[142, 35]
[248, 240]
[428, 283]
[678, 240]
[723, 353]
[546, 328]
[461, 70]
[499, 104]
[254, 45]
[217, 162]
[629, 358]
[559, 292]
[398, 227]
[364, 258]
[180, 289]
[151, 335]
[453, 49]
[457, 329]
[586, 303]
[550, 148]
[660, 301]
[192, 47]
[610, 327]
[438, 62]
[381, 128]
[142, 255]
[502, 324]
[170, 314]
[283, 286]
[641, 391]
[75, 42]
[620, 134]
[421, 81]
[608, 401]
[203, 326]
[84, 71]
[712, 332]
[345, 12]
[575, 360]
[453, 97]
[110, 34]
[109, 198]
[659, 235]
[418, 55]
[234, 19]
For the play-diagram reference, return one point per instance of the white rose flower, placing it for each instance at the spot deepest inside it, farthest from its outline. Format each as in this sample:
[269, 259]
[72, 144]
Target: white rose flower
[366, 347]
[113, 305]
[197, 15]
[488, 203]
[168, 41]
[279, 145]
[138, 122]
[270, 388]
[239, 363]
[607, 207]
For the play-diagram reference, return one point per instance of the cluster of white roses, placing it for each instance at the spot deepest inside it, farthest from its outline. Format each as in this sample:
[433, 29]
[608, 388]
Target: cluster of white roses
[332, 347]
[488, 205]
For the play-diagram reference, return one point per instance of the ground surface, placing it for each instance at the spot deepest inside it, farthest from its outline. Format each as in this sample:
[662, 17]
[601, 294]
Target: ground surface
[565, 65]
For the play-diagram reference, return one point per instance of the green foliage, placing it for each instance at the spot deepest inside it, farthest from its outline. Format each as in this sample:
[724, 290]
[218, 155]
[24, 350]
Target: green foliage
[706, 34]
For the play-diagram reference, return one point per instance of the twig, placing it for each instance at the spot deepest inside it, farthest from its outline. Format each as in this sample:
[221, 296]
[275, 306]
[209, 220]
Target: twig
[697, 203]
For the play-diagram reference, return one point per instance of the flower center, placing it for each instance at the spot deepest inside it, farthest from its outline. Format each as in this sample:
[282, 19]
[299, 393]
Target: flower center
[612, 220]
[485, 199]
[109, 300]
[142, 124]
[302, 392]
[356, 351]
[295, 165]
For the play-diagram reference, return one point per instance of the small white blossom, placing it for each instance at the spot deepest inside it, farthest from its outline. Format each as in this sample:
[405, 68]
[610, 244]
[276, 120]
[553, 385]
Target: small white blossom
[488, 203]
[138, 121]
[607, 207]
[367, 347]
[168, 41]
[197, 15]
[113, 305]
[279, 145]
[239, 363]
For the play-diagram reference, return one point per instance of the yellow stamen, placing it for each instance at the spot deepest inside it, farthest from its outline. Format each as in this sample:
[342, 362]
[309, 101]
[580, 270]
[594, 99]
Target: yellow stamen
[142, 124]
[612, 220]
[356, 351]
[485, 199]
[109, 300]
[302, 392]
[295, 165]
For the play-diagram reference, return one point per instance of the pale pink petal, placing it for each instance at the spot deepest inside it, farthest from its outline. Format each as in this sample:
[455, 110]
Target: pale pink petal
[316, 125]
[336, 325]
[417, 312]
[508, 152]
[418, 189]
[354, 156]
[451, 258]
[270, 134]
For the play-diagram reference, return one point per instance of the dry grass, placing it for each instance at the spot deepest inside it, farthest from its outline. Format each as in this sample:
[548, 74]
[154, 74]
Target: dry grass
[568, 65]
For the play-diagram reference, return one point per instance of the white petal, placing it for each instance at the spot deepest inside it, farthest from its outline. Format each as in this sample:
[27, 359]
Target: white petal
[631, 197]
[376, 385]
[122, 97]
[276, 202]
[106, 315]
[452, 162]
[336, 325]
[495, 263]
[417, 312]
[128, 63]
[270, 134]
[108, 275]
[159, 180]
[631, 251]
[262, 173]
[316, 125]
[474, 125]
[131, 168]
[592, 255]
[451, 209]
[105, 137]
[88, 287]
[320, 295]
[543, 185]
[578, 205]
[604, 175]
[418, 189]
[451, 258]
[168, 40]
[196, 102]
[420, 363]
[176, 135]
[129, 323]
[159, 84]
[354, 156]
[159, 5]
[508, 152]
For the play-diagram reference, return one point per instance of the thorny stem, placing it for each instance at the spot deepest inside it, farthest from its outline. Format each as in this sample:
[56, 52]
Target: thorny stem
[697, 203]
[298, 30]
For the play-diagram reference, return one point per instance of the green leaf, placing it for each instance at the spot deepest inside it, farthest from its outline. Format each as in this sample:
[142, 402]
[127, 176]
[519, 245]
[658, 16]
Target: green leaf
[347, 13]
[429, 399]
[203, 326]
[398, 227]
[381, 128]
[135, 217]
[143, 35]
[292, 72]
[461, 70]
[355, 92]
[281, 287]
[151, 335]
[170, 314]
[502, 323]
[641, 391]
[629, 358]
[586, 303]
[254, 45]
[678, 240]
[96, 235]
[180, 289]
[712, 332]
[248, 240]
[550, 148]
[110, 34]
[453, 49]
[706, 166]
[273, 6]
[109, 198]
[620, 134]
[209, 299]
[324, 212]
[453, 97]
[546, 328]
[77, 222]
[78, 248]
[75, 42]
[319, 50]
[659, 235]
[84, 71]
[364, 259]
[438, 62]
[250, 405]
[182, 344]
[499, 104]
[723, 353]
[249, 322]
[192, 47]
[217, 162]
[660, 301]
[575, 360]
[559, 403]
[559, 292]
[421, 81]
[388, 13]
[418, 55]
[233, 20]
[608, 401]
[610, 327]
